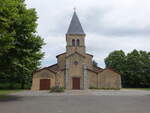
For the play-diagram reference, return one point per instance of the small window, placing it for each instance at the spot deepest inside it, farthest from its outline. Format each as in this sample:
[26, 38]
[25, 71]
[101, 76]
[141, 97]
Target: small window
[78, 42]
[76, 62]
[73, 42]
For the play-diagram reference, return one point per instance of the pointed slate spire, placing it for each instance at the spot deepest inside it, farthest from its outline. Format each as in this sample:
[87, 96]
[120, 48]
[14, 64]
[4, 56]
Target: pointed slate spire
[75, 27]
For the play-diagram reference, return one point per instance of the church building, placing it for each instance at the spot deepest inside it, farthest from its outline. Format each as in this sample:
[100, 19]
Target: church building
[74, 68]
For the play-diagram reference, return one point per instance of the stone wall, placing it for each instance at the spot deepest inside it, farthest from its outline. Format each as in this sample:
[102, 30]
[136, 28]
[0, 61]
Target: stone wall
[35, 84]
[88, 61]
[93, 79]
[60, 78]
[109, 79]
[43, 74]
[61, 61]
[74, 69]
[71, 49]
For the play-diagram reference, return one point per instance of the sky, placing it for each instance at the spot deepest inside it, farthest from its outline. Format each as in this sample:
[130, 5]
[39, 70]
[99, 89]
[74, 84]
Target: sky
[109, 25]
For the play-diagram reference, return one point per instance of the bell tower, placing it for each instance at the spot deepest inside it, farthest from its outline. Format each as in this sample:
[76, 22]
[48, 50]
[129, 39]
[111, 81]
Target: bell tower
[76, 57]
[75, 36]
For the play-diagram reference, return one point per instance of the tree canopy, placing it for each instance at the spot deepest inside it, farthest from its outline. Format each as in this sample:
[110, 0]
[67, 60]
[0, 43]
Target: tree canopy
[20, 46]
[95, 64]
[133, 67]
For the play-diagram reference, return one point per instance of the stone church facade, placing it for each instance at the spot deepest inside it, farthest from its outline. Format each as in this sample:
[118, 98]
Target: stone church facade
[74, 68]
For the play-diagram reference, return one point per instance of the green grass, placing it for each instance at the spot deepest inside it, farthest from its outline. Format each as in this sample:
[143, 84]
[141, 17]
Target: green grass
[147, 89]
[5, 93]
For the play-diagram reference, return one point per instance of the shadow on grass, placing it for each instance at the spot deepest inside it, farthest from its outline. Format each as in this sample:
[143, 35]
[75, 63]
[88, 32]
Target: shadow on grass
[9, 98]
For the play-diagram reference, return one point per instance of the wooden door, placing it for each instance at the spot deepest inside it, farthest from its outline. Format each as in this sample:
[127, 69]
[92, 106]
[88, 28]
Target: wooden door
[75, 83]
[45, 84]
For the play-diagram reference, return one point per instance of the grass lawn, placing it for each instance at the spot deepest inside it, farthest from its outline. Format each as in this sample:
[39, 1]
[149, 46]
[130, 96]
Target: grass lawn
[147, 89]
[5, 93]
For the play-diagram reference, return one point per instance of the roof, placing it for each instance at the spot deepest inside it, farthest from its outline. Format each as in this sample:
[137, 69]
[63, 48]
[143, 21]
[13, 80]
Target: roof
[52, 65]
[92, 70]
[45, 68]
[65, 53]
[76, 53]
[60, 54]
[111, 70]
[89, 54]
[53, 68]
[75, 27]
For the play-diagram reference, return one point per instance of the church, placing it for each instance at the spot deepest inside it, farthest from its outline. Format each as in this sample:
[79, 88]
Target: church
[74, 68]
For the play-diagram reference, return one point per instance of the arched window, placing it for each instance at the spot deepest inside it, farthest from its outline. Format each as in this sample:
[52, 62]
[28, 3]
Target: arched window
[78, 42]
[73, 42]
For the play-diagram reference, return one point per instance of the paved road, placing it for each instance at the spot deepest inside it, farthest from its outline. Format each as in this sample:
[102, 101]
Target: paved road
[76, 104]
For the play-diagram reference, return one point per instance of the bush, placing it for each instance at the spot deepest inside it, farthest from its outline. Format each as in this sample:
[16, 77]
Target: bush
[92, 87]
[110, 88]
[57, 89]
[7, 85]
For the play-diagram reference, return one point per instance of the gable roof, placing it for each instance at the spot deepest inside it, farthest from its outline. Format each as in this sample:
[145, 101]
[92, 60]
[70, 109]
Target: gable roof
[60, 54]
[92, 70]
[75, 27]
[45, 68]
[89, 54]
[75, 53]
[102, 70]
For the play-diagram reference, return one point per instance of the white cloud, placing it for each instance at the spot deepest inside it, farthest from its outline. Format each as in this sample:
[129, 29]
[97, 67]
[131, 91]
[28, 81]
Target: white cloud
[100, 46]
[109, 25]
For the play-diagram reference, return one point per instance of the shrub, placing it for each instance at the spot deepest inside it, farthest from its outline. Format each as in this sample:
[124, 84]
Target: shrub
[110, 88]
[92, 87]
[57, 89]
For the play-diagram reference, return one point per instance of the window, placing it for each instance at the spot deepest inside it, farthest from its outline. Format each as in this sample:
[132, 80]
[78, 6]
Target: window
[78, 42]
[73, 42]
[76, 62]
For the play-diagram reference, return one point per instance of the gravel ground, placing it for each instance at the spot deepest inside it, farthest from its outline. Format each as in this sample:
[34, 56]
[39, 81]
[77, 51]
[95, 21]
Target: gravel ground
[86, 92]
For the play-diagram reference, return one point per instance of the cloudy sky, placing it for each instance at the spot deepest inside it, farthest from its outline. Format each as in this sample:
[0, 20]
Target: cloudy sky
[109, 25]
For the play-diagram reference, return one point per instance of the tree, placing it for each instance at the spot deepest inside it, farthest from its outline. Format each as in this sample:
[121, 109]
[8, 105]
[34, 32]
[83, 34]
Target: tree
[133, 67]
[20, 50]
[95, 63]
[138, 67]
[145, 59]
[116, 60]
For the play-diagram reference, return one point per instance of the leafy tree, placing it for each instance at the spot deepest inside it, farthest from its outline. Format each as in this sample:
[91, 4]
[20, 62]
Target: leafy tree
[145, 63]
[138, 66]
[20, 45]
[116, 60]
[95, 63]
[133, 67]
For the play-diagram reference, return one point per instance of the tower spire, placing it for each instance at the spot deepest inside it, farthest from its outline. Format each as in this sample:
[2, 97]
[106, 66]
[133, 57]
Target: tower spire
[74, 9]
[75, 27]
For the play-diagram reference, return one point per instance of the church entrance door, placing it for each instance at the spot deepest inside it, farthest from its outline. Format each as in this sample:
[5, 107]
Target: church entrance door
[45, 84]
[75, 83]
